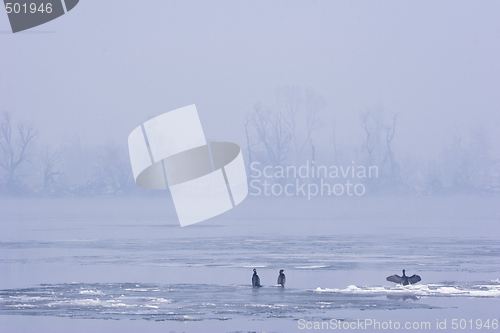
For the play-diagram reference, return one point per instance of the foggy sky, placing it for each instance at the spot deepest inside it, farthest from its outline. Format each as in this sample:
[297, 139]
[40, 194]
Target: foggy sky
[107, 66]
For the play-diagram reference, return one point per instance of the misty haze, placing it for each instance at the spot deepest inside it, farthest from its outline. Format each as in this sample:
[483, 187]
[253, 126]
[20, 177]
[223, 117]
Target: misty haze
[369, 132]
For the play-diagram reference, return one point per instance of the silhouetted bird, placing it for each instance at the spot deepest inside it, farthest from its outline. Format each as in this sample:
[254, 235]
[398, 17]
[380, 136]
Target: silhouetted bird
[282, 278]
[404, 280]
[255, 279]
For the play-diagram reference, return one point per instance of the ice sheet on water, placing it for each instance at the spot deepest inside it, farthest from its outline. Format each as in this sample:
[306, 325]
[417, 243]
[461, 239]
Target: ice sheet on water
[480, 289]
[194, 302]
[91, 292]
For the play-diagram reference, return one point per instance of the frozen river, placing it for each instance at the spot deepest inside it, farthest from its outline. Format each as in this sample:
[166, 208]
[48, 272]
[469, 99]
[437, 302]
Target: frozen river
[123, 264]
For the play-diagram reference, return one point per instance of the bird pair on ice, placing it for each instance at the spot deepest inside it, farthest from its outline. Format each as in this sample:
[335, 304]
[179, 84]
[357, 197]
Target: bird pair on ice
[256, 279]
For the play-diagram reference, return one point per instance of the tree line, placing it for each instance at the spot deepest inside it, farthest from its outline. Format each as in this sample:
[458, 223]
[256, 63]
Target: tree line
[284, 132]
[74, 169]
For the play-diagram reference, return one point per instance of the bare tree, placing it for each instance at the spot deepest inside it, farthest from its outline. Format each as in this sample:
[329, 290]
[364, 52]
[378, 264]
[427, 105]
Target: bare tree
[372, 125]
[112, 171]
[315, 103]
[248, 123]
[14, 149]
[273, 131]
[389, 156]
[289, 99]
[52, 179]
[286, 129]
[296, 106]
[379, 136]
[471, 166]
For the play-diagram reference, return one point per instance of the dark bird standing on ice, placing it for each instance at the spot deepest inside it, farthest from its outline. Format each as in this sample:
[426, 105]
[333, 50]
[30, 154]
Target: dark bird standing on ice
[404, 280]
[282, 278]
[255, 279]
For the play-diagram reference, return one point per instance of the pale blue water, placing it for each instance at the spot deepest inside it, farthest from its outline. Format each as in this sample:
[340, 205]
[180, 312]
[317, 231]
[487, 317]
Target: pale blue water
[123, 267]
